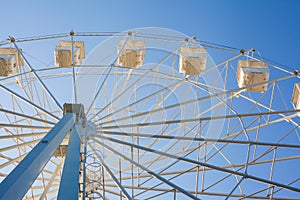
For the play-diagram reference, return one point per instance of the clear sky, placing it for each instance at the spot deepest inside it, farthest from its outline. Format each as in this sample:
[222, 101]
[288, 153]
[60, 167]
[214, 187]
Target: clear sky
[269, 26]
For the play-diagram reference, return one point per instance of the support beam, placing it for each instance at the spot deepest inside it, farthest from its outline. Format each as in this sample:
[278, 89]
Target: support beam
[27, 101]
[17, 183]
[24, 126]
[25, 116]
[244, 175]
[51, 180]
[69, 185]
[124, 91]
[38, 78]
[73, 67]
[215, 95]
[189, 120]
[164, 180]
[140, 100]
[111, 174]
[168, 137]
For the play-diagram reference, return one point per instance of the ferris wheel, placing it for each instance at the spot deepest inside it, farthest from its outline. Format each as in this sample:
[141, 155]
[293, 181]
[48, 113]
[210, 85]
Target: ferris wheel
[145, 114]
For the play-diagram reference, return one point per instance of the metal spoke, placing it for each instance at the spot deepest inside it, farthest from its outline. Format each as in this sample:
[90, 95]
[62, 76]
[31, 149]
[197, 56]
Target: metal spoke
[12, 161]
[24, 126]
[111, 175]
[28, 102]
[22, 135]
[240, 196]
[51, 180]
[199, 119]
[124, 91]
[201, 139]
[19, 145]
[202, 164]
[148, 171]
[38, 78]
[73, 67]
[140, 100]
[191, 101]
[25, 116]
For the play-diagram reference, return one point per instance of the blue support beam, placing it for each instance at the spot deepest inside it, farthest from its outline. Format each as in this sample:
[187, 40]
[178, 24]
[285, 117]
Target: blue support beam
[69, 185]
[18, 182]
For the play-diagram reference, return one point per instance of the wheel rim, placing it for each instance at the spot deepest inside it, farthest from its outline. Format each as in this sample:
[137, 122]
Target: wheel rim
[164, 136]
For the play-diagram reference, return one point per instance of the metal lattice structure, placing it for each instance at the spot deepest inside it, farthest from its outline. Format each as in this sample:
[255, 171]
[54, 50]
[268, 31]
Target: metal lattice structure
[147, 114]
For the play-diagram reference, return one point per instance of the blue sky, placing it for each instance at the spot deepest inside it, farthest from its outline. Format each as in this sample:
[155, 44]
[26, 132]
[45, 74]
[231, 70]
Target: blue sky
[270, 26]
